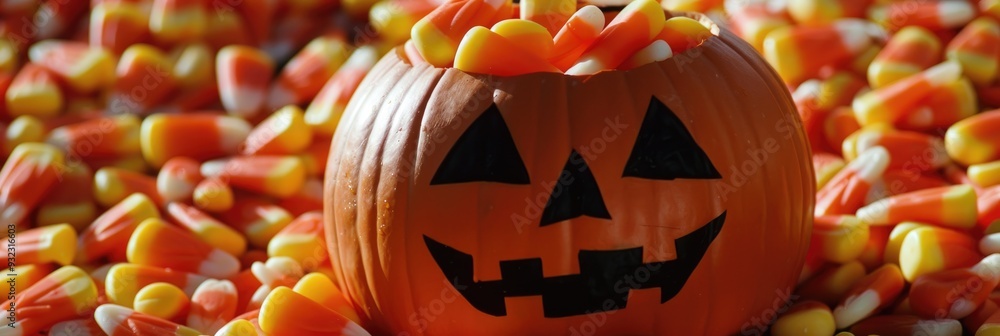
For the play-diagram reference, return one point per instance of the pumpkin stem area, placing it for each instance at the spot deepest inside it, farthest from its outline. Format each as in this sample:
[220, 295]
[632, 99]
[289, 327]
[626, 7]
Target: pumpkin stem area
[557, 36]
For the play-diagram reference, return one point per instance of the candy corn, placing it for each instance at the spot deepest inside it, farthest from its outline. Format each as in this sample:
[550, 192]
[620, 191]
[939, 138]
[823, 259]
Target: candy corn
[977, 48]
[437, 35]
[28, 174]
[173, 21]
[277, 271]
[284, 132]
[551, 14]
[325, 110]
[243, 75]
[826, 166]
[304, 75]
[194, 66]
[285, 312]
[83, 67]
[113, 228]
[508, 58]
[156, 243]
[755, 21]
[847, 190]
[830, 285]
[910, 151]
[943, 107]
[258, 219]
[683, 33]
[394, 19]
[896, 237]
[579, 32]
[872, 293]
[974, 140]
[930, 249]
[54, 243]
[124, 281]
[117, 25]
[197, 136]
[526, 34]
[237, 327]
[29, 275]
[302, 240]
[319, 288]
[933, 15]
[111, 185]
[65, 294]
[177, 179]
[839, 238]
[817, 12]
[23, 129]
[212, 305]
[985, 174]
[278, 176]
[989, 210]
[953, 206]
[161, 299]
[890, 103]
[949, 291]
[631, 30]
[207, 229]
[798, 53]
[227, 28]
[144, 79]
[34, 91]
[910, 51]
[805, 318]
[213, 195]
[106, 137]
[116, 320]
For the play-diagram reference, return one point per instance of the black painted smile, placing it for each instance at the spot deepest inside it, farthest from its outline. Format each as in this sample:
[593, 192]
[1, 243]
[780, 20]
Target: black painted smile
[604, 282]
[664, 150]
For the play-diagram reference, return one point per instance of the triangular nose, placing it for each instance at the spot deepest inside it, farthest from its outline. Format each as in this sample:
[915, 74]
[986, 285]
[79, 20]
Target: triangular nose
[575, 194]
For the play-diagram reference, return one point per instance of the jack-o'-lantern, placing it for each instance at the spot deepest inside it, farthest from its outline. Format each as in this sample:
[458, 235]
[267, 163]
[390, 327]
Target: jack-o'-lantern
[673, 198]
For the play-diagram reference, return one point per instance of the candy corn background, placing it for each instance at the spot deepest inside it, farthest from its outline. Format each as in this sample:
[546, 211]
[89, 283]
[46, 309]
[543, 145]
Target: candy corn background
[163, 159]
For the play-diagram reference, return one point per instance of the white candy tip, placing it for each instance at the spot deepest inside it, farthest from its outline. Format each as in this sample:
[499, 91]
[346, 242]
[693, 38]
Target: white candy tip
[955, 13]
[110, 316]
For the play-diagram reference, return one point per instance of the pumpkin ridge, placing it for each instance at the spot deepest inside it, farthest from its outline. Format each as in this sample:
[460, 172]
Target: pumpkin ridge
[332, 181]
[388, 116]
[365, 269]
[406, 156]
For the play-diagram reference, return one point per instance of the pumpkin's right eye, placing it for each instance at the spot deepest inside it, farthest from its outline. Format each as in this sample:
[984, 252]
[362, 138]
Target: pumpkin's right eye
[665, 149]
[484, 153]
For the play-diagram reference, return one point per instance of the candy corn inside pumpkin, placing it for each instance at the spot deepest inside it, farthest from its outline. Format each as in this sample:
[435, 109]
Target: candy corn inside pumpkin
[549, 36]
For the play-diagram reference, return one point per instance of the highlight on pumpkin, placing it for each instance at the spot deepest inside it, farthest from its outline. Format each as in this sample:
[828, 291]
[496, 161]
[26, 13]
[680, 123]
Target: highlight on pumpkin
[491, 37]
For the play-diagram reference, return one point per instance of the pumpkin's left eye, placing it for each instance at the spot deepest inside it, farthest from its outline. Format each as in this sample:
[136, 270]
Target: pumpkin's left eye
[665, 149]
[484, 153]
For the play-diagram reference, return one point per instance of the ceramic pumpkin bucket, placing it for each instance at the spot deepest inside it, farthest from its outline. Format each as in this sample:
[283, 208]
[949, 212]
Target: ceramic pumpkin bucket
[674, 198]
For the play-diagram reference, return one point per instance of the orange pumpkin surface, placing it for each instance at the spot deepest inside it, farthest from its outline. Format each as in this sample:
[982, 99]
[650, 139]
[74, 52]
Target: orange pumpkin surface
[674, 198]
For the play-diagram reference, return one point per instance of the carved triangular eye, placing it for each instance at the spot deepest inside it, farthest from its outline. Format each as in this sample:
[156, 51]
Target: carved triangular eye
[575, 195]
[484, 153]
[665, 150]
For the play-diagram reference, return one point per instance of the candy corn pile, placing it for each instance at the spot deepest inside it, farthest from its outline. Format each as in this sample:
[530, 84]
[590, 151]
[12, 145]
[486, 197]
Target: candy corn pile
[163, 160]
[899, 101]
[549, 36]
